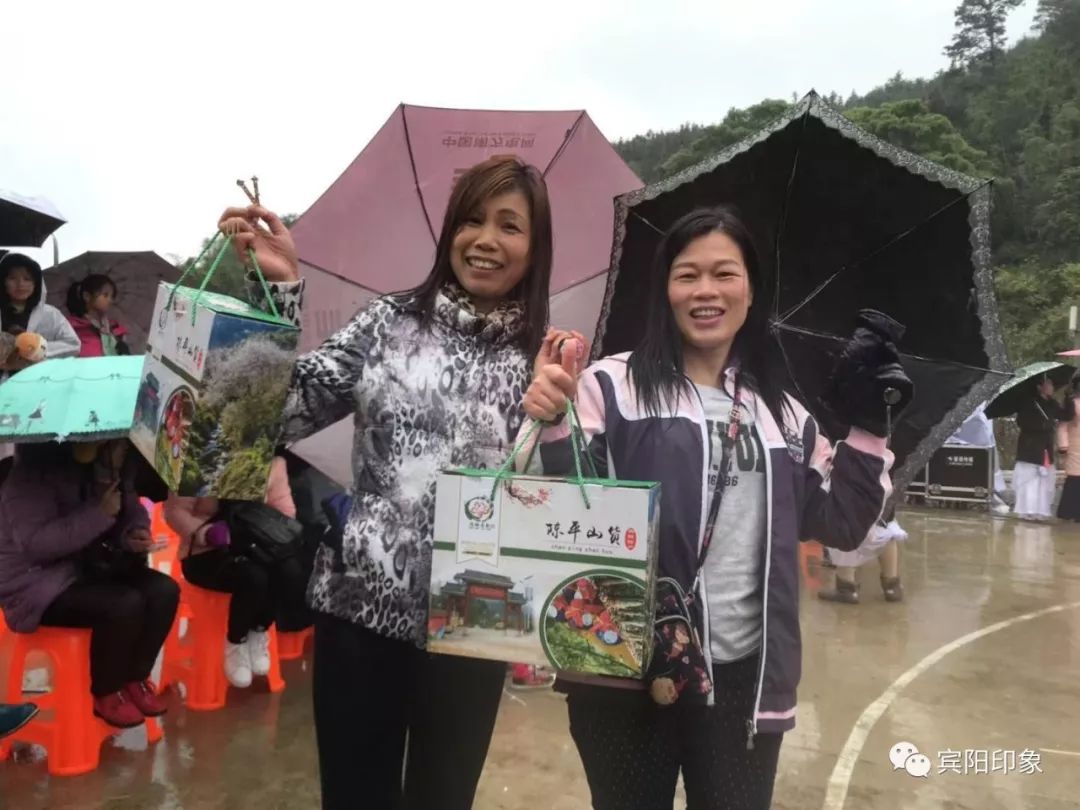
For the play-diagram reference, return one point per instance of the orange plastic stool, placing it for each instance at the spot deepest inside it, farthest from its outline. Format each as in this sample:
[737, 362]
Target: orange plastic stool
[158, 526]
[72, 735]
[198, 658]
[163, 532]
[291, 645]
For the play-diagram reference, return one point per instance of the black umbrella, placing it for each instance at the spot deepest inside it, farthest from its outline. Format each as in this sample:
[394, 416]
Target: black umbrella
[26, 221]
[843, 221]
[1016, 391]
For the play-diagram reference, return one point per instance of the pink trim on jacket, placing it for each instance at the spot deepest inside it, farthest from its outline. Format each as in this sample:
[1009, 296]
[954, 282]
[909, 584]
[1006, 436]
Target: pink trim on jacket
[90, 336]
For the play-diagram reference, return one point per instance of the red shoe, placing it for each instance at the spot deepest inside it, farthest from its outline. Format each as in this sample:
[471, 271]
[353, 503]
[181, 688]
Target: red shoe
[524, 676]
[520, 672]
[145, 698]
[118, 711]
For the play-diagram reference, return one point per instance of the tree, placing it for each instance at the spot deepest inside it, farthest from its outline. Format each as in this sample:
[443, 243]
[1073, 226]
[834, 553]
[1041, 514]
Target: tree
[737, 124]
[910, 125]
[896, 88]
[229, 274]
[1049, 11]
[645, 153]
[1033, 302]
[980, 31]
[1058, 219]
[1060, 21]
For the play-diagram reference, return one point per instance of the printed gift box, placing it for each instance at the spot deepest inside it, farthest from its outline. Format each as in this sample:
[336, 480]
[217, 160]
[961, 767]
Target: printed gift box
[208, 412]
[549, 571]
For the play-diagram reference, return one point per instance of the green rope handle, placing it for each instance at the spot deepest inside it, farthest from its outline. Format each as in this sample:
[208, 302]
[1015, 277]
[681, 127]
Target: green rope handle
[263, 282]
[577, 463]
[209, 274]
[577, 440]
[213, 268]
[191, 266]
[581, 447]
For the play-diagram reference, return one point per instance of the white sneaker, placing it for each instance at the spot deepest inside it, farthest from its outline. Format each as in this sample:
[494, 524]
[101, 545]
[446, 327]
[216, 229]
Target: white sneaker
[258, 644]
[238, 664]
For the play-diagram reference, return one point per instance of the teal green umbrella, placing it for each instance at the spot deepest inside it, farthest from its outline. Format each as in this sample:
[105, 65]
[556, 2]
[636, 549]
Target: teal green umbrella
[71, 399]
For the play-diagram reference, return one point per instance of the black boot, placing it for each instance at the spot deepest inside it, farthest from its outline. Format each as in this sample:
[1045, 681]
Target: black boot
[843, 591]
[893, 590]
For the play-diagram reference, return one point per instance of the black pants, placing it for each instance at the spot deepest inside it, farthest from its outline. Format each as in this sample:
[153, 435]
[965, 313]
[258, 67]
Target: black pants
[259, 592]
[633, 749]
[129, 614]
[369, 691]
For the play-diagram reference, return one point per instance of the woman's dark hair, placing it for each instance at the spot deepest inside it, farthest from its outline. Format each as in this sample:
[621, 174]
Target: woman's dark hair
[44, 459]
[12, 261]
[499, 175]
[43, 455]
[1070, 397]
[656, 365]
[91, 285]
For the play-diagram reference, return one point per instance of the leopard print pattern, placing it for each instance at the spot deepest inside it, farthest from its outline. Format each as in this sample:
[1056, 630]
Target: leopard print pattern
[288, 297]
[422, 400]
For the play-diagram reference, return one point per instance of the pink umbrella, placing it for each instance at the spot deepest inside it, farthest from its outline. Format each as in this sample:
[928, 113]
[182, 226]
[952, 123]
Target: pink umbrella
[374, 229]
[1069, 353]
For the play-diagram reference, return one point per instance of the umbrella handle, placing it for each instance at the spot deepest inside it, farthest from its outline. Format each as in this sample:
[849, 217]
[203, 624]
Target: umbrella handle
[891, 397]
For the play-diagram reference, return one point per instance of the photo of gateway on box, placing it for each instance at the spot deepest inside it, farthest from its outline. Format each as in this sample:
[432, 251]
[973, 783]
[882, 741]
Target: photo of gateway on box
[479, 600]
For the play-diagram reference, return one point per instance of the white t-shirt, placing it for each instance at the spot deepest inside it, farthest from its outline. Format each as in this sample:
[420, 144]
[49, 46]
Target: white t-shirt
[733, 565]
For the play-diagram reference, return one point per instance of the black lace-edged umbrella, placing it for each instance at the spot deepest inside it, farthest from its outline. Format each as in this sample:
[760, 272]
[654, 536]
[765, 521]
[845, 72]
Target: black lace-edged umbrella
[843, 221]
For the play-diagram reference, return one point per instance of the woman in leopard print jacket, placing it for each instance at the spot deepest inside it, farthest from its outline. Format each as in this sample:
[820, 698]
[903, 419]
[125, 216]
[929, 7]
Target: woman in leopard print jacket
[434, 378]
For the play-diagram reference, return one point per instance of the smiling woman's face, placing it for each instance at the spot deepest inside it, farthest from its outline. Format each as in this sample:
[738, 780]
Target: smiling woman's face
[490, 251]
[709, 291]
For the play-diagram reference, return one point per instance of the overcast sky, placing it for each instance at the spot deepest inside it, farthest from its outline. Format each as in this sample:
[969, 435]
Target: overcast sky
[136, 122]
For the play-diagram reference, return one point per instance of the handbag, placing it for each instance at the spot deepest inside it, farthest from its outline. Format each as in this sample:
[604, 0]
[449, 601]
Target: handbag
[103, 559]
[679, 669]
[261, 532]
[106, 557]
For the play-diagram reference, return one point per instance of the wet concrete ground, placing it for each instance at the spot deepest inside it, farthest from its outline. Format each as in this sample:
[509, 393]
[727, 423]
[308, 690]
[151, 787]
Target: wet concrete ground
[983, 656]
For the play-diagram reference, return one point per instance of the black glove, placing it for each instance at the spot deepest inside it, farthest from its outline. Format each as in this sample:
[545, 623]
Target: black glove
[868, 378]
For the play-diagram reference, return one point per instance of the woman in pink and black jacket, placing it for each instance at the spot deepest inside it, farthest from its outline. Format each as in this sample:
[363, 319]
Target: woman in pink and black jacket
[664, 413]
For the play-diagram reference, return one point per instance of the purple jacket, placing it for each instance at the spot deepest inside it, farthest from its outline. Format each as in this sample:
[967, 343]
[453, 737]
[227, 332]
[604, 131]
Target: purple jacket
[44, 522]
